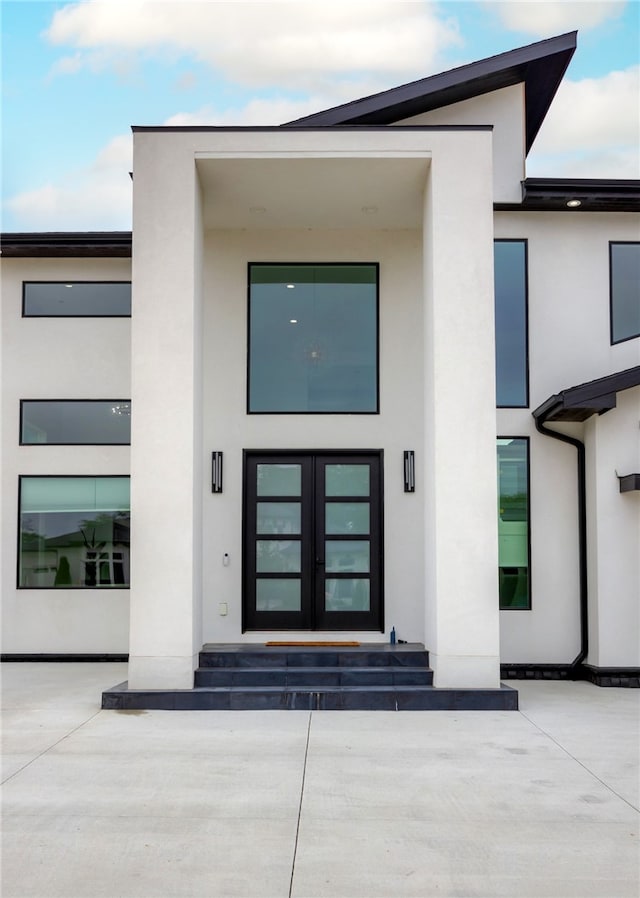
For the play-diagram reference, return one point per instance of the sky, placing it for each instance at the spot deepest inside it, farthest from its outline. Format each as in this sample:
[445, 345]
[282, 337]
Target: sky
[76, 76]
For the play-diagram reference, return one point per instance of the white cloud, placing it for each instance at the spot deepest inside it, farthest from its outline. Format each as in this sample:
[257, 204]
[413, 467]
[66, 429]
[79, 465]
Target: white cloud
[94, 198]
[546, 17]
[593, 128]
[298, 44]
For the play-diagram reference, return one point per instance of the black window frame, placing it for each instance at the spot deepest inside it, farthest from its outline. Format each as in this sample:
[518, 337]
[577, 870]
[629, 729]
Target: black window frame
[23, 477]
[613, 243]
[93, 443]
[525, 242]
[351, 263]
[25, 314]
[527, 441]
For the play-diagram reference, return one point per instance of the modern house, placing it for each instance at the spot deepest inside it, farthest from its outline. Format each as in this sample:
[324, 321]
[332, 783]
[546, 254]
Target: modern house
[350, 374]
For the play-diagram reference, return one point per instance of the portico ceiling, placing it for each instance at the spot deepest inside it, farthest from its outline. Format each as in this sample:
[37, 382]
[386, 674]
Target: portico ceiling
[313, 192]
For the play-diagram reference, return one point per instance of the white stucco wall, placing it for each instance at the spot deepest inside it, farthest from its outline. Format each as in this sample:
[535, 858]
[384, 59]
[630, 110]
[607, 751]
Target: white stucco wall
[227, 427]
[613, 526]
[59, 358]
[504, 109]
[569, 344]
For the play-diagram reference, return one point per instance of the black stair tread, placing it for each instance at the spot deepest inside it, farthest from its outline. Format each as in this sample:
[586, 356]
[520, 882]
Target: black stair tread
[289, 668]
[322, 689]
[250, 647]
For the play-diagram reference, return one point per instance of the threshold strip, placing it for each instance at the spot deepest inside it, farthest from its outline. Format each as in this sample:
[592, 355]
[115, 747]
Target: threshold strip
[304, 773]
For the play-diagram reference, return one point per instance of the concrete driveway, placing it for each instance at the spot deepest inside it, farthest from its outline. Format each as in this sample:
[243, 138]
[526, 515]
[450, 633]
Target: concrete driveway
[541, 803]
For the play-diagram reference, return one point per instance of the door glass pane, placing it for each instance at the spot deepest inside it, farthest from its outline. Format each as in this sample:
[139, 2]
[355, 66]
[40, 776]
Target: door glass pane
[277, 595]
[347, 595]
[347, 480]
[279, 480]
[347, 517]
[347, 555]
[278, 556]
[278, 517]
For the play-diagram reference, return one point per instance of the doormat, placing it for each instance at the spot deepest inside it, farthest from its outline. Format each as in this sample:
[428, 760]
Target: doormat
[316, 643]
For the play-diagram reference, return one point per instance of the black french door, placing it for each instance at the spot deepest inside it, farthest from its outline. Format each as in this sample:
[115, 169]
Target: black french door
[313, 541]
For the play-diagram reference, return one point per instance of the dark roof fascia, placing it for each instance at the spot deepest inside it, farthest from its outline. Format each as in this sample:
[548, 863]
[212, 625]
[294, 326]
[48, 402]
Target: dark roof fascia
[594, 194]
[594, 397]
[66, 244]
[540, 66]
[250, 129]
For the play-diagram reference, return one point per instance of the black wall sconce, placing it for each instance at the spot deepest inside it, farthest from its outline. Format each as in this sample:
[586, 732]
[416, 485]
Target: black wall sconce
[216, 472]
[409, 471]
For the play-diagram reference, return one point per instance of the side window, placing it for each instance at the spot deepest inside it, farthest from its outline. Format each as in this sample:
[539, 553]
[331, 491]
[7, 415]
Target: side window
[624, 275]
[73, 532]
[76, 299]
[77, 422]
[513, 522]
[313, 339]
[512, 350]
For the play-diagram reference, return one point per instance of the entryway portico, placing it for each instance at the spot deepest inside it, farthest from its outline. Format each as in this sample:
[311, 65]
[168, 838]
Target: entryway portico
[207, 204]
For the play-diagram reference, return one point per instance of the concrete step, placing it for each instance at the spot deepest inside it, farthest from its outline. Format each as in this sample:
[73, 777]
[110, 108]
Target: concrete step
[314, 677]
[342, 698]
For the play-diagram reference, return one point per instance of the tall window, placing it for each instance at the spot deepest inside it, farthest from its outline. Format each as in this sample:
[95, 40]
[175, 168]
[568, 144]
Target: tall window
[513, 522]
[512, 374]
[624, 268]
[74, 532]
[76, 299]
[89, 422]
[313, 338]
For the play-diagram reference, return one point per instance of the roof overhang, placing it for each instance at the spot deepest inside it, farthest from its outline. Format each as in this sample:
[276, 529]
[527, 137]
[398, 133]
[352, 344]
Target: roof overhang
[67, 244]
[592, 398]
[540, 67]
[576, 195]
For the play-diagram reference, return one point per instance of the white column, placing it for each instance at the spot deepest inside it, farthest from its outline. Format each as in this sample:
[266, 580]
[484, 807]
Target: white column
[166, 455]
[461, 550]
[612, 444]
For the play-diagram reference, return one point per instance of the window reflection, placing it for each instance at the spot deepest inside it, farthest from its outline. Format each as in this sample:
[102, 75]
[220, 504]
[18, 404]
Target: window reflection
[74, 532]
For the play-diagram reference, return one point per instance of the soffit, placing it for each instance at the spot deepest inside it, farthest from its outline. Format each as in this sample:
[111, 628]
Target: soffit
[314, 193]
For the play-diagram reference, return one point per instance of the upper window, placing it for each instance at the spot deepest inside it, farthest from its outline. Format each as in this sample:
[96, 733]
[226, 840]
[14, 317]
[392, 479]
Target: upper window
[76, 299]
[313, 338]
[89, 422]
[624, 267]
[512, 370]
[74, 532]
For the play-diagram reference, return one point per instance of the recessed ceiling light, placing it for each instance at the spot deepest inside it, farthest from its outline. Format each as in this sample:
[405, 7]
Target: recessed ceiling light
[291, 286]
[293, 320]
[68, 285]
[573, 204]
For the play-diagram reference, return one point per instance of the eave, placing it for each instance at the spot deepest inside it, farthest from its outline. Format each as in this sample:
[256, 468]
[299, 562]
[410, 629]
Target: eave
[592, 398]
[540, 67]
[592, 195]
[67, 244]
